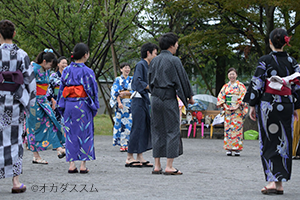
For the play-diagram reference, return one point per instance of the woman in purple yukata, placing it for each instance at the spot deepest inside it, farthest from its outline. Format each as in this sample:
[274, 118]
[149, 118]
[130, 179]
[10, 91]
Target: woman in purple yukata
[78, 103]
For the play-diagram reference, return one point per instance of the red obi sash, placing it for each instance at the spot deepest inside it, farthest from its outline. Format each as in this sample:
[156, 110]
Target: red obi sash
[74, 91]
[284, 90]
[41, 89]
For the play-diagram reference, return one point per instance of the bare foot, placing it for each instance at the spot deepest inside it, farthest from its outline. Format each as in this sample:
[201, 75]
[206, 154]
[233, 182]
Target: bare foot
[279, 186]
[269, 188]
[131, 160]
[171, 170]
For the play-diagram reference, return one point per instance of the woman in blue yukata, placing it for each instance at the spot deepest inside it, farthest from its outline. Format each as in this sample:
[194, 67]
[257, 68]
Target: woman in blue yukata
[43, 130]
[120, 97]
[78, 103]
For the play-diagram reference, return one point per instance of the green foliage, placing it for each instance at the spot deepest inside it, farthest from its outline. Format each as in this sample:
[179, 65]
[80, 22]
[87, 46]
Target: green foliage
[218, 34]
[103, 125]
[61, 24]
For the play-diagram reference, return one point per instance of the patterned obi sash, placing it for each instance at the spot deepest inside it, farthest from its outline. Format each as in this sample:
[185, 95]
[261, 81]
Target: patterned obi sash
[126, 96]
[56, 89]
[10, 81]
[284, 89]
[74, 91]
[282, 85]
[41, 89]
[231, 100]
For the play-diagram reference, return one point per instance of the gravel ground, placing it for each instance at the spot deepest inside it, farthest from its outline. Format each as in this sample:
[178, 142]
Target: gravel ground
[207, 174]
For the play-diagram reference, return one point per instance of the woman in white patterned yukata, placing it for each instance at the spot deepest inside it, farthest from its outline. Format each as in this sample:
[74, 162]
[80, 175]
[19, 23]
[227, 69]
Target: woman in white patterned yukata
[17, 93]
[53, 88]
[271, 97]
[120, 97]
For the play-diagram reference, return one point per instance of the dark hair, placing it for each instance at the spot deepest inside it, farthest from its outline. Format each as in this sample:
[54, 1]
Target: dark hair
[167, 40]
[231, 69]
[79, 51]
[7, 29]
[277, 37]
[122, 65]
[58, 61]
[48, 56]
[148, 47]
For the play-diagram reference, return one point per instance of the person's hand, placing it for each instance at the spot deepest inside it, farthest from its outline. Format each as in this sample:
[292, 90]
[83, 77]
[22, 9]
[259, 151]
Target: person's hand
[121, 94]
[234, 108]
[191, 101]
[226, 107]
[296, 117]
[252, 113]
[120, 106]
[53, 104]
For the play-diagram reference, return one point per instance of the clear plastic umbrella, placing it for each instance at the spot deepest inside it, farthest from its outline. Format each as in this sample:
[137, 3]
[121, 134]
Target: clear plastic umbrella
[209, 100]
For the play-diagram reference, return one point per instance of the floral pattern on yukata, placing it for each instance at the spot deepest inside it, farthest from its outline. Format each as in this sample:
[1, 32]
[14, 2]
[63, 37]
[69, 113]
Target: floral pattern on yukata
[233, 121]
[42, 128]
[123, 117]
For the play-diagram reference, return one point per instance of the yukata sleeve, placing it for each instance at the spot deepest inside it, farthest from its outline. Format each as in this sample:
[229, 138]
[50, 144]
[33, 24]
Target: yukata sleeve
[257, 85]
[50, 90]
[222, 96]
[184, 89]
[243, 105]
[26, 93]
[296, 88]
[138, 83]
[60, 98]
[242, 93]
[91, 88]
[114, 92]
[129, 86]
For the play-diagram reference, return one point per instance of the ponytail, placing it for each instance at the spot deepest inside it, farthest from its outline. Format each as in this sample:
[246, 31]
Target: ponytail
[48, 56]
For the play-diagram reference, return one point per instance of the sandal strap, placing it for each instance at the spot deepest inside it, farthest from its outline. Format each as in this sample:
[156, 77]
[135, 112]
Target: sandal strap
[40, 160]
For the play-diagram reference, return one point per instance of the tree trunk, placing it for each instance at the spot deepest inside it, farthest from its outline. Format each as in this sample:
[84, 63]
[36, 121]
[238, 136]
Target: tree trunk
[270, 25]
[105, 101]
[220, 73]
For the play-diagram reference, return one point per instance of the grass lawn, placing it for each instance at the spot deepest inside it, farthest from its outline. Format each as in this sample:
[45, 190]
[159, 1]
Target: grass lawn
[103, 125]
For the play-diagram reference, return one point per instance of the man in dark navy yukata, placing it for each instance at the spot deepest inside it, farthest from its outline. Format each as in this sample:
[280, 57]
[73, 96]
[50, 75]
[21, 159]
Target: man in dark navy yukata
[140, 136]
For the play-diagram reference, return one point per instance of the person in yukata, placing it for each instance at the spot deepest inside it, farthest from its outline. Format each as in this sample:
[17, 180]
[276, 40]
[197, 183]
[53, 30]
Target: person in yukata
[78, 103]
[167, 79]
[271, 97]
[17, 93]
[120, 99]
[140, 136]
[42, 126]
[53, 91]
[296, 138]
[230, 98]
